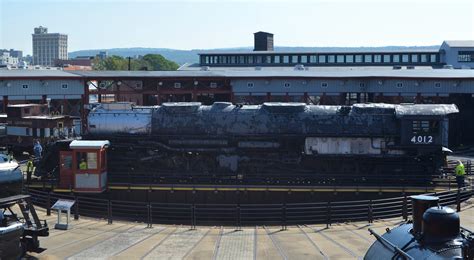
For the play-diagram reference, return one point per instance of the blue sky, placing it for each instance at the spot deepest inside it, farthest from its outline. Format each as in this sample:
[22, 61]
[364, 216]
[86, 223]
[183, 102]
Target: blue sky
[198, 24]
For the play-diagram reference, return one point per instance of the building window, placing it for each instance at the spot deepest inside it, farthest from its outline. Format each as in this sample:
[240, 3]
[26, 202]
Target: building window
[331, 58]
[322, 58]
[276, 59]
[362, 85]
[424, 58]
[250, 59]
[287, 84]
[177, 85]
[349, 58]
[304, 59]
[367, 58]
[294, 59]
[250, 84]
[64, 86]
[396, 58]
[399, 85]
[268, 59]
[340, 58]
[466, 56]
[313, 59]
[386, 58]
[286, 59]
[358, 58]
[324, 84]
[25, 86]
[405, 58]
[414, 58]
[213, 85]
[437, 84]
[433, 58]
[377, 58]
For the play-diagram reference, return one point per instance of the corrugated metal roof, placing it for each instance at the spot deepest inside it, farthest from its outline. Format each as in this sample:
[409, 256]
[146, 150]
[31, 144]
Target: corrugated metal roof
[146, 74]
[459, 44]
[36, 74]
[267, 72]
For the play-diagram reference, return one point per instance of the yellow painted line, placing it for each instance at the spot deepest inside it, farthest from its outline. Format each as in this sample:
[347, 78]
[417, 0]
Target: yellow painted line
[63, 190]
[255, 189]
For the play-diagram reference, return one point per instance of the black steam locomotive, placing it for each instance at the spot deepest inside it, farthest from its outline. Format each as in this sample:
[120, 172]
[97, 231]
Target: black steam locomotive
[434, 233]
[266, 142]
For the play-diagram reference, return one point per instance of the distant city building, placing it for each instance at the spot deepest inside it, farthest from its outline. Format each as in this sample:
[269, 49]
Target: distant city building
[48, 47]
[7, 60]
[13, 53]
[102, 55]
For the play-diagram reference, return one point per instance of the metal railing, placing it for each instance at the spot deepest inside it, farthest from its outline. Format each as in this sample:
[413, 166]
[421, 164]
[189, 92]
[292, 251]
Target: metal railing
[244, 214]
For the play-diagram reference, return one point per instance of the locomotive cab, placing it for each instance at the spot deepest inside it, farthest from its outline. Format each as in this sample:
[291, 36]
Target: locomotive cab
[425, 125]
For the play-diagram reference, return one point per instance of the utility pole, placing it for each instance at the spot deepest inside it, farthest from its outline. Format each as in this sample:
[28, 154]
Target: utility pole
[129, 60]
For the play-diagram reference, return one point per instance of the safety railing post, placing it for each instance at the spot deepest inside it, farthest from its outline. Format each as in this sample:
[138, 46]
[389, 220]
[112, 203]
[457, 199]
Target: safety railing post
[284, 217]
[109, 211]
[458, 201]
[328, 214]
[370, 216]
[405, 208]
[238, 223]
[193, 216]
[48, 204]
[76, 207]
[149, 215]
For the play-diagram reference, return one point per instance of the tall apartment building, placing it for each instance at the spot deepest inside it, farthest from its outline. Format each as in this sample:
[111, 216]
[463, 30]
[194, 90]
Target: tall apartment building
[48, 47]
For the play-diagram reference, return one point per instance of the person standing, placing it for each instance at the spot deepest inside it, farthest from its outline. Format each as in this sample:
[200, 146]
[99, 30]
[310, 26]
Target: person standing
[460, 172]
[38, 149]
[29, 169]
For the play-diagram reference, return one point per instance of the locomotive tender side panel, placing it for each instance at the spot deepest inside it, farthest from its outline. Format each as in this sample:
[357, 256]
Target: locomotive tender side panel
[273, 138]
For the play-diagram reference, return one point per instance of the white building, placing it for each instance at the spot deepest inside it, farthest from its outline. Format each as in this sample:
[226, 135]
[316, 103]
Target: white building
[7, 60]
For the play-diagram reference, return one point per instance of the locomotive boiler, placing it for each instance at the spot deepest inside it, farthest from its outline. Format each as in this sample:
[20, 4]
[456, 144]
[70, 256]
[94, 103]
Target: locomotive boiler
[270, 142]
[433, 233]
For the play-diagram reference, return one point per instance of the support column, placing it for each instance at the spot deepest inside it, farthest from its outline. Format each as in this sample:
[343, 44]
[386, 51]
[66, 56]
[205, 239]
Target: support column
[5, 103]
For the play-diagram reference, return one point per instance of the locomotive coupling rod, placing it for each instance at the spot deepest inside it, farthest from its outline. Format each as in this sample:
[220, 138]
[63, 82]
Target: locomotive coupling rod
[386, 242]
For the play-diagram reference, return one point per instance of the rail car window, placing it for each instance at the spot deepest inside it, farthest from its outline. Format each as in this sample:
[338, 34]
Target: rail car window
[425, 127]
[86, 161]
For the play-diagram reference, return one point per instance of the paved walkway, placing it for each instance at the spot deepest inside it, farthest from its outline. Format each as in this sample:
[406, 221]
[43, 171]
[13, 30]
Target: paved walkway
[95, 239]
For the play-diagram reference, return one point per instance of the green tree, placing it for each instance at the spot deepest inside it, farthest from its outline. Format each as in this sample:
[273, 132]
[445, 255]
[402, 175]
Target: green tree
[147, 62]
[112, 63]
[158, 62]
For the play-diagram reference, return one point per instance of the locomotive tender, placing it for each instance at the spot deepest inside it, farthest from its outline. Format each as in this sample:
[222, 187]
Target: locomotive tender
[266, 141]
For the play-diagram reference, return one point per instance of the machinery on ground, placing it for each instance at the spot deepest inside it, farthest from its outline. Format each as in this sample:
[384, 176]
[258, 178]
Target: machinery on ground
[433, 233]
[180, 142]
[17, 234]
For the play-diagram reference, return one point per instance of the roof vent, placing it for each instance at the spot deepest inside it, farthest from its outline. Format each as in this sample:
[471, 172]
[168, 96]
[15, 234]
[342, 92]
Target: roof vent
[410, 67]
[205, 68]
[397, 67]
[448, 67]
[299, 67]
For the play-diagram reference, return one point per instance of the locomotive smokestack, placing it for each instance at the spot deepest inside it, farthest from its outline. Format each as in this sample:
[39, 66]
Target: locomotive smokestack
[420, 204]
